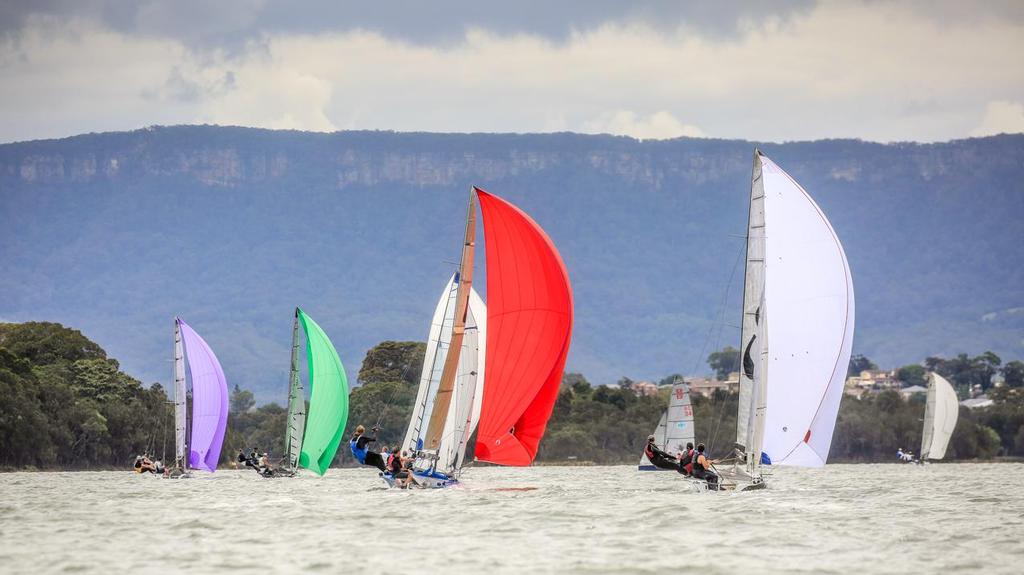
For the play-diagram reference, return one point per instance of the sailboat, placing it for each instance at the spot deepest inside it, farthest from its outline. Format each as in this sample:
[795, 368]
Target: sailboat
[528, 330]
[940, 414]
[198, 448]
[443, 465]
[797, 330]
[312, 441]
[675, 428]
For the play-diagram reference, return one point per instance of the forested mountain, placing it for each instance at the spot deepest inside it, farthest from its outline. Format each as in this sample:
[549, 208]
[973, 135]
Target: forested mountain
[230, 228]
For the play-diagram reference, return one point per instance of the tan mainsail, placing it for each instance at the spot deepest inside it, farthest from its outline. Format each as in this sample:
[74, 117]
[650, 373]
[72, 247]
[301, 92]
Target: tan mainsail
[443, 398]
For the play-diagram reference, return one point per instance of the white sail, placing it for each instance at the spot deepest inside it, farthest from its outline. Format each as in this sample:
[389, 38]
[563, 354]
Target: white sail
[752, 334]
[180, 406]
[433, 363]
[296, 403]
[467, 393]
[675, 428]
[940, 414]
[808, 322]
[679, 423]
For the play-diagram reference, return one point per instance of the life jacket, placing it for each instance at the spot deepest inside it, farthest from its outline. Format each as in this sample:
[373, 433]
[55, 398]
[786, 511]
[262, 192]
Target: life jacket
[687, 460]
[359, 454]
[649, 452]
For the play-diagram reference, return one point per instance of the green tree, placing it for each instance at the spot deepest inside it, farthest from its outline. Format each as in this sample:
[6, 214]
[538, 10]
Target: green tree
[913, 374]
[393, 361]
[671, 379]
[44, 343]
[241, 401]
[724, 361]
[859, 363]
[1013, 373]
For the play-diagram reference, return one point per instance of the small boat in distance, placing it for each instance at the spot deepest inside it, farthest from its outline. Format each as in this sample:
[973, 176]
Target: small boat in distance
[312, 442]
[797, 331]
[675, 429]
[528, 329]
[209, 411]
[942, 409]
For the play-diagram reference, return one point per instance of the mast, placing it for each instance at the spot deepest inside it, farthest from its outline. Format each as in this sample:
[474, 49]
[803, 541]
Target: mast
[442, 400]
[296, 403]
[180, 406]
[752, 342]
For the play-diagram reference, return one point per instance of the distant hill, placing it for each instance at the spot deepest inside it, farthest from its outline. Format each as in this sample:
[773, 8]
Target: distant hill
[231, 228]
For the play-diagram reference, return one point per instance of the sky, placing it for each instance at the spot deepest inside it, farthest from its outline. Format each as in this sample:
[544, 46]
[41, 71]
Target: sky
[880, 70]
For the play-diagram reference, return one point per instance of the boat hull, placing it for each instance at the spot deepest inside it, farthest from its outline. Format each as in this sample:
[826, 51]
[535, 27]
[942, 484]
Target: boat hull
[423, 480]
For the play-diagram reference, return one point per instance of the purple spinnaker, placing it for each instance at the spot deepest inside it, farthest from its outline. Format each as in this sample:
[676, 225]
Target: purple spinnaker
[209, 401]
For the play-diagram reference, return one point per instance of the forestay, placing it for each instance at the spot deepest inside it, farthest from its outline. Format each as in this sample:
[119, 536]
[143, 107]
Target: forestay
[940, 415]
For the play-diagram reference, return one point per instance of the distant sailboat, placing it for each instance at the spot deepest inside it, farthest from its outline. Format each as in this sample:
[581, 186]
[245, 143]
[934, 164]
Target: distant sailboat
[940, 414]
[528, 327]
[312, 441]
[209, 403]
[797, 331]
[447, 459]
[675, 429]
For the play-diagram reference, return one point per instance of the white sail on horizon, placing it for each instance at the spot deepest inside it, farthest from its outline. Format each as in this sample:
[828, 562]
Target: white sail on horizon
[941, 412]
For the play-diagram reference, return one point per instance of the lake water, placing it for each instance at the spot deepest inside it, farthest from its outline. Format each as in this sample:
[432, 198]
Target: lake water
[949, 518]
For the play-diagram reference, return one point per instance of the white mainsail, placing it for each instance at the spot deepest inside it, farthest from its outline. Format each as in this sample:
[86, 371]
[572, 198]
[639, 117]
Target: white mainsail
[180, 406]
[806, 321]
[675, 428]
[940, 414]
[467, 394]
[296, 403]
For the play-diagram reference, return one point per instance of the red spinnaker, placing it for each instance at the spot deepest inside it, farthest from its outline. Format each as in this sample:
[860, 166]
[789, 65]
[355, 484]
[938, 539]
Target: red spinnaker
[529, 324]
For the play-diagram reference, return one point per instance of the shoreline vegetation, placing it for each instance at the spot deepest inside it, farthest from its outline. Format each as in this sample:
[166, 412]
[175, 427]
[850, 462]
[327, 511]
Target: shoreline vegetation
[66, 406]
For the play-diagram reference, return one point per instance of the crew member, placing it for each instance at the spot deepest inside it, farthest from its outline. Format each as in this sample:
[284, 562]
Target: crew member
[659, 458]
[686, 460]
[360, 450]
[702, 468]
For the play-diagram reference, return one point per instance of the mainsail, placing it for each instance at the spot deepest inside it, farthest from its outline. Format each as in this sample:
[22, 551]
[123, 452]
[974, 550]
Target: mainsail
[209, 399]
[801, 325]
[466, 396]
[296, 425]
[328, 401]
[940, 414]
[529, 322]
[675, 428]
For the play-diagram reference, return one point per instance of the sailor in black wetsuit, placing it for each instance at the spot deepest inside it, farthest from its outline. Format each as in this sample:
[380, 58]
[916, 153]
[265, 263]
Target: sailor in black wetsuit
[659, 458]
[702, 468]
[359, 444]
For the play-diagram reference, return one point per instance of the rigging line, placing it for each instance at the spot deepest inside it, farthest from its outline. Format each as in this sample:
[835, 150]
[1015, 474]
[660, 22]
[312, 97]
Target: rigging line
[717, 406]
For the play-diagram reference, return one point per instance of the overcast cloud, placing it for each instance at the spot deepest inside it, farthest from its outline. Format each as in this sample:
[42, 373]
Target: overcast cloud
[879, 70]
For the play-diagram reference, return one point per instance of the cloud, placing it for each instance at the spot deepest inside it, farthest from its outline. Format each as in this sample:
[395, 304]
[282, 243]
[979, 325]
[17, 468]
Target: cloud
[879, 71]
[657, 126]
[232, 23]
[1001, 117]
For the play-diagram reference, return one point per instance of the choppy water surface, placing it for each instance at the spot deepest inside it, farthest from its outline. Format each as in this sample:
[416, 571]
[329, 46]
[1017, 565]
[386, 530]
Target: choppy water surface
[841, 519]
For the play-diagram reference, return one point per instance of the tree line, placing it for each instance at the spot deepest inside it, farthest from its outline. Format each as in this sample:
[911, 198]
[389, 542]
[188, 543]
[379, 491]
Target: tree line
[65, 405]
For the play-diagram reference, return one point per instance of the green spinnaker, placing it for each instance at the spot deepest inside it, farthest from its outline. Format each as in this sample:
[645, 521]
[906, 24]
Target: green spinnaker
[328, 399]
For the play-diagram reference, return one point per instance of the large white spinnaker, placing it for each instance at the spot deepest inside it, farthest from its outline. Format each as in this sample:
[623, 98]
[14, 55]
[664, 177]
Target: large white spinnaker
[467, 392]
[808, 320]
[940, 414]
